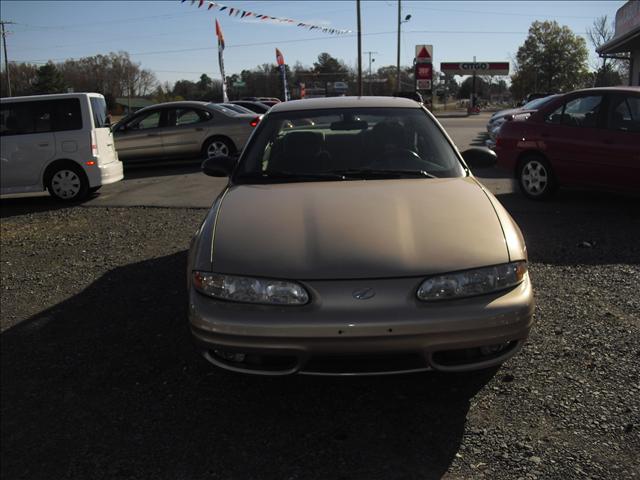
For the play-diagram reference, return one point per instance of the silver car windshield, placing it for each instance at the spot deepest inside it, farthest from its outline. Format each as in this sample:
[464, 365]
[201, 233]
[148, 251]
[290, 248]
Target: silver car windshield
[347, 144]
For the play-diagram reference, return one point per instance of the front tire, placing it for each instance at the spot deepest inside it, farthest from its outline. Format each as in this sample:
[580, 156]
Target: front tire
[536, 178]
[68, 183]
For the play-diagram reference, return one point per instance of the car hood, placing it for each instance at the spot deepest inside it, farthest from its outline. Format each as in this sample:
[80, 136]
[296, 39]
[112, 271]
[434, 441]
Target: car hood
[504, 113]
[356, 229]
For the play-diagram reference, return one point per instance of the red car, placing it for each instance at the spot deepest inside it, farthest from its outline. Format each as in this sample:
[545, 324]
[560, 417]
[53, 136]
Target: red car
[588, 138]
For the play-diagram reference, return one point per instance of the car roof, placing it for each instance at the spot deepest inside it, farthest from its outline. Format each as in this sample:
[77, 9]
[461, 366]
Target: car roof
[51, 96]
[344, 102]
[620, 88]
[182, 103]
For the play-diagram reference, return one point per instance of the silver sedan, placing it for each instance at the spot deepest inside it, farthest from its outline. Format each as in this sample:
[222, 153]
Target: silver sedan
[182, 130]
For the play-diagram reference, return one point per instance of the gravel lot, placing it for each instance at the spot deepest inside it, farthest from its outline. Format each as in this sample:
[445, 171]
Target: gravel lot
[99, 379]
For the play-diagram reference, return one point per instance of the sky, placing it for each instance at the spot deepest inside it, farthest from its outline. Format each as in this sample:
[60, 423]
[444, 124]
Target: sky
[177, 40]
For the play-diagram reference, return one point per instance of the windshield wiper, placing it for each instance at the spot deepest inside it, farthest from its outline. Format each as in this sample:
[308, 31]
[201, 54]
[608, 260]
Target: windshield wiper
[383, 173]
[289, 176]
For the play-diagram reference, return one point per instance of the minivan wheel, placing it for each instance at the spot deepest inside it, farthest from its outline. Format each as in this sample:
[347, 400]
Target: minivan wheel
[217, 147]
[68, 183]
[536, 178]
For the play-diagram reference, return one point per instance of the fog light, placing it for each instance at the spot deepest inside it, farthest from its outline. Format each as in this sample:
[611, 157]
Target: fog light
[230, 356]
[493, 349]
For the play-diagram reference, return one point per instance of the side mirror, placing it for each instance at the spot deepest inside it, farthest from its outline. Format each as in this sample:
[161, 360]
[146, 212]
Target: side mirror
[479, 157]
[218, 166]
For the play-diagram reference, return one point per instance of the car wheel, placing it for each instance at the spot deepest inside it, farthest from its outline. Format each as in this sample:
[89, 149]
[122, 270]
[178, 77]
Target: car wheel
[68, 183]
[535, 177]
[217, 147]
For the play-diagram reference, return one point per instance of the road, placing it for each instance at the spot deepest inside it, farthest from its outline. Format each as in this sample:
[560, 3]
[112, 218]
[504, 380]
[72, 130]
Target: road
[181, 184]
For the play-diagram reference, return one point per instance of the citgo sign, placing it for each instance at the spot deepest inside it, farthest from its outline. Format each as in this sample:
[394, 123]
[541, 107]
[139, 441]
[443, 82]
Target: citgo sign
[480, 68]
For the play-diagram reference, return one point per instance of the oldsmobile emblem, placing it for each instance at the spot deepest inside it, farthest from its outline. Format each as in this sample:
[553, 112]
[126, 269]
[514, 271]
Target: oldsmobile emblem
[364, 294]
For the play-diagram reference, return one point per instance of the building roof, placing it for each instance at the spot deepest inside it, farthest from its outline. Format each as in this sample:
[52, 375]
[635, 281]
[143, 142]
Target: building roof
[627, 32]
[344, 102]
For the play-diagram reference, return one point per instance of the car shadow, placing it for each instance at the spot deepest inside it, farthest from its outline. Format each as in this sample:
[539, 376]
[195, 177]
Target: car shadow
[578, 227]
[107, 385]
[24, 205]
[491, 172]
[162, 168]
[479, 140]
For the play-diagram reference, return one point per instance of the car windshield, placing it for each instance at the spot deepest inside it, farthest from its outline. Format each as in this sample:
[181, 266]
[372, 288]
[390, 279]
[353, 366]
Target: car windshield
[347, 144]
[537, 103]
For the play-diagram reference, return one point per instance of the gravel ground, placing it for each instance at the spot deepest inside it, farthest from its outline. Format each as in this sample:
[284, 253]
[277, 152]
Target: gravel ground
[99, 378]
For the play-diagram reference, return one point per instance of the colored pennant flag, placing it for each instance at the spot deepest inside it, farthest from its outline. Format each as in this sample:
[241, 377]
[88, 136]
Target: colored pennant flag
[237, 12]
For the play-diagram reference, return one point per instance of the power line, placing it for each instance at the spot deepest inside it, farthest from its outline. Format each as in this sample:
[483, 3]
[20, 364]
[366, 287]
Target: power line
[485, 12]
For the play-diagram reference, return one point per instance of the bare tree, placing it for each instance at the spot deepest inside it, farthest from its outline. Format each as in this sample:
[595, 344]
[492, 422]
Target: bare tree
[609, 71]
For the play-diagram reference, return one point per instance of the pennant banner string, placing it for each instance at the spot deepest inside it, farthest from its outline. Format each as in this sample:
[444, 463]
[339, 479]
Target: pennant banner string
[243, 14]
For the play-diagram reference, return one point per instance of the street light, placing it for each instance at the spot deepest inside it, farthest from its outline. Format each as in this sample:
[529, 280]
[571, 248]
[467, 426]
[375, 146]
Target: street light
[371, 60]
[400, 22]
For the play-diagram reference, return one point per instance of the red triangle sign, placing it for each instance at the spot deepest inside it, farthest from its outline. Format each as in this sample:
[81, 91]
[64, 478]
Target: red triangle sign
[424, 53]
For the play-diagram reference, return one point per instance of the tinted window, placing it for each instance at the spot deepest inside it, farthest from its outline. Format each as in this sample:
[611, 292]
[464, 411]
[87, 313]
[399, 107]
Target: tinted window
[578, 112]
[187, 116]
[145, 121]
[338, 140]
[624, 113]
[67, 115]
[99, 108]
[17, 119]
[41, 116]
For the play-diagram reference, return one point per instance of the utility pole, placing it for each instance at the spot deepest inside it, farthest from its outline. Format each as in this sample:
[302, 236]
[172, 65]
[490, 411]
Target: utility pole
[398, 87]
[6, 59]
[400, 22]
[370, 60]
[359, 51]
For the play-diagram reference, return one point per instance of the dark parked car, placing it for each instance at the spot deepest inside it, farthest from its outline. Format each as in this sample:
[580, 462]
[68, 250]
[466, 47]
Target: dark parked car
[256, 107]
[588, 138]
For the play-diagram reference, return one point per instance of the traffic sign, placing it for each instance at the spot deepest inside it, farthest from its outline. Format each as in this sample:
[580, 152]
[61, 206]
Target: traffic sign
[424, 53]
[480, 68]
[423, 84]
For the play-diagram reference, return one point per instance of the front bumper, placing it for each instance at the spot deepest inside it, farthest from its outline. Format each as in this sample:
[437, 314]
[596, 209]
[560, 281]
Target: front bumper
[390, 333]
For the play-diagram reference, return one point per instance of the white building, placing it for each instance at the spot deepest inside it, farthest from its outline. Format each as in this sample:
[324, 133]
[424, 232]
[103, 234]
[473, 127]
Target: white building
[626, 39]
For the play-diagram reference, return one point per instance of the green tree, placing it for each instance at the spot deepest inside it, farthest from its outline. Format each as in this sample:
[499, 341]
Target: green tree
[331, 69]
[552, 59]
[49, 80]
[482, 87]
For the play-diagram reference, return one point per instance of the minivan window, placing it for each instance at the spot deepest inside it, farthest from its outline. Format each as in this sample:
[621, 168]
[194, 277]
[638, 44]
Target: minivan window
[99, 108]
[42, 116]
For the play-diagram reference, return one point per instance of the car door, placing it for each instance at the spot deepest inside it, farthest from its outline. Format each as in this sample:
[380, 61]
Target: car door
[622, 139]
[185, 131]
[572, 139]
[27, 145]
[139, 138]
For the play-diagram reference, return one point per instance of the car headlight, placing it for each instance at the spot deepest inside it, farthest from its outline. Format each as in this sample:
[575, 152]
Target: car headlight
[472, 282]
[249, 289]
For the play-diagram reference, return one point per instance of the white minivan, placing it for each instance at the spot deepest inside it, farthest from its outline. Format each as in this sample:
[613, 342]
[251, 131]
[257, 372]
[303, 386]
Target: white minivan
[62, 143]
